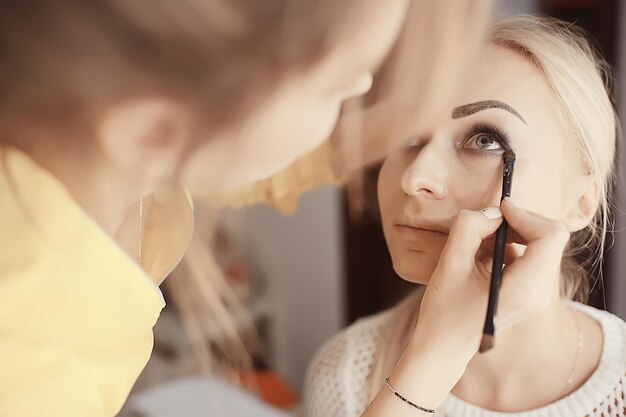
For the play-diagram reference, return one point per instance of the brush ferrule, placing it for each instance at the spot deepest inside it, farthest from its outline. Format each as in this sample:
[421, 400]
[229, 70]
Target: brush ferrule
[509, 157]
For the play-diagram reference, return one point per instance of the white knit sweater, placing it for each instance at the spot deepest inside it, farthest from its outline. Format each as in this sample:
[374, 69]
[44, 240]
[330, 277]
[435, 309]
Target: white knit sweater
[337, 376]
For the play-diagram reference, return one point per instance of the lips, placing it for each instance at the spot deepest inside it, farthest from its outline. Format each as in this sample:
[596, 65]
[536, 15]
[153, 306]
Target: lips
[417, 233]
[421, 223]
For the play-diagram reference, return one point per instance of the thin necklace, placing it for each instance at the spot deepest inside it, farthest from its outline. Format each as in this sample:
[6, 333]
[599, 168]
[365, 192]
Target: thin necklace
[140, 229]
[579, 345]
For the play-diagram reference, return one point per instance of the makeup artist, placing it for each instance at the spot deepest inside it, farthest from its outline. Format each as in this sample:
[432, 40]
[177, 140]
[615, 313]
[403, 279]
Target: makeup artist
[111, 110]
[108, 109]
[537, 90]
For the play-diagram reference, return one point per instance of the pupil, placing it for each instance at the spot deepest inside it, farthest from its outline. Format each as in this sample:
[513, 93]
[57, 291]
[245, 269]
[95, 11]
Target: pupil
[484, 141]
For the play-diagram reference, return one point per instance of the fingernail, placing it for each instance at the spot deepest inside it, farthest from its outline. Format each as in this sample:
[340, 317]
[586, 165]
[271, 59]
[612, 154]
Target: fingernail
[510, 201]
[492, 213]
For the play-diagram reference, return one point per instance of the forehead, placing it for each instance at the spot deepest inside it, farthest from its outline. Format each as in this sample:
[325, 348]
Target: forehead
[506, 75]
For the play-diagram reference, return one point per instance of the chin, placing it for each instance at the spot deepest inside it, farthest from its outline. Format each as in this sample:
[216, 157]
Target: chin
[414, 266]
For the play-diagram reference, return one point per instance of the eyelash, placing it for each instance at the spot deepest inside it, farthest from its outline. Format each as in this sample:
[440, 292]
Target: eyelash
[485, 128]
[489, 129]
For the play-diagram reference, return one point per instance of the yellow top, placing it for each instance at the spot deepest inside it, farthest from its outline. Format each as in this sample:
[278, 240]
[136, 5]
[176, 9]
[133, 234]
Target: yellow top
[77, 313]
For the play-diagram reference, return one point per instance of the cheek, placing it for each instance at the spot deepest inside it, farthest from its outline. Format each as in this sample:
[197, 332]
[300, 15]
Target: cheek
[299, 126]
[321, 125]
[537, 186]
[390, 193]
[475, 182]
[287, 130]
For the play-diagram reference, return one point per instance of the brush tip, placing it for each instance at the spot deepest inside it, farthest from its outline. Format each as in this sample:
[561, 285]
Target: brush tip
[487, 343]
[509, 155]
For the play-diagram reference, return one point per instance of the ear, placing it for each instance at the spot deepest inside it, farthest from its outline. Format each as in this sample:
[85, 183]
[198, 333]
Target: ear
[585, 205]
[145, 136]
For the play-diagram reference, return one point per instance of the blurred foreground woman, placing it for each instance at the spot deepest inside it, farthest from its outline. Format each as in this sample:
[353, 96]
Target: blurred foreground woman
[110, 112]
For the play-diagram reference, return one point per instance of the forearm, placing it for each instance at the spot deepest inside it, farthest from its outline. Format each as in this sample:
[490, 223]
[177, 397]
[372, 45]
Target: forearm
[424, 376]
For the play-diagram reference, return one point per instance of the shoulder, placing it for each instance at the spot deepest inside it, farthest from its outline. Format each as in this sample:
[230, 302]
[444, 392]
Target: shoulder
[338, 374]
[608, 382]
[613, 327]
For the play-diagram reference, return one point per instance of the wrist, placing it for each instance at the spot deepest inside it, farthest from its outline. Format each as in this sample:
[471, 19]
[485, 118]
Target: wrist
[446, 346]
[425, 376]
[429, 368]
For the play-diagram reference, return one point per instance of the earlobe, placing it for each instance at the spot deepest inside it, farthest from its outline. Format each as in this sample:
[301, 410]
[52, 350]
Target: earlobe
[144, 136]
[586, 204]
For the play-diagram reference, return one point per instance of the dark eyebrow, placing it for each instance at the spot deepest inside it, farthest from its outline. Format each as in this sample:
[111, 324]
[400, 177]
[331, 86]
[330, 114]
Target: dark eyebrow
[468, 109]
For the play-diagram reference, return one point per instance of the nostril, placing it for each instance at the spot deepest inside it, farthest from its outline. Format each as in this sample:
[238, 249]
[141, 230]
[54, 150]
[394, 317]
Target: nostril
[424, 191]
[433, 191]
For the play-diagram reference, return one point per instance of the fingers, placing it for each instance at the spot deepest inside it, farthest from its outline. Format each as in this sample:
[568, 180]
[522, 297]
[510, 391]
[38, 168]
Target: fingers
[530, 226]
[512, 251]
[545, 238]
[468, 231]
[530, 279]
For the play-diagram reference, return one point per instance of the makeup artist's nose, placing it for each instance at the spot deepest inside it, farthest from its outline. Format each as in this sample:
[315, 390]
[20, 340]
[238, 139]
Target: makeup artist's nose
[425, 176]
[359, 86]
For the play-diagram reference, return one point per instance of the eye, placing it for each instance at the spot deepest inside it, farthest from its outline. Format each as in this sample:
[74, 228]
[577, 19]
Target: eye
[486, 138]
[484, 142]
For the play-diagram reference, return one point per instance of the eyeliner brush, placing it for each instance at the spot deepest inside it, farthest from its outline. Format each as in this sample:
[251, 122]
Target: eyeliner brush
[488, 340]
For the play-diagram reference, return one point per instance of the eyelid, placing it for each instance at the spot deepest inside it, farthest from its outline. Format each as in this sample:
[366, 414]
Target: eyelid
[491, 129]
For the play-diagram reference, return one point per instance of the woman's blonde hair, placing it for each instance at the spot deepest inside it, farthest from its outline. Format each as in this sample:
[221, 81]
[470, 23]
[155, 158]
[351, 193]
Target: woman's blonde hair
[580, 82]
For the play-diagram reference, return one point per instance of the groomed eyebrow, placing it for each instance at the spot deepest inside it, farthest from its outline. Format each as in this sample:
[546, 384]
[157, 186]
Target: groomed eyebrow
[471, 108]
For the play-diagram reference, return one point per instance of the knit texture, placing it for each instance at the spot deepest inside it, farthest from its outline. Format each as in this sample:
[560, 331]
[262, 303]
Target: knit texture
[336, 383]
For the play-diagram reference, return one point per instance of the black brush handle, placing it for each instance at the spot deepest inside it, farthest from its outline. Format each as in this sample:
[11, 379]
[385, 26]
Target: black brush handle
[499, 249]
[496, 278]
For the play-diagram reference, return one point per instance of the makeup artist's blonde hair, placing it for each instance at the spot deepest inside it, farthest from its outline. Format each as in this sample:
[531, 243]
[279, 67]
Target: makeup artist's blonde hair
[580, 82]
[63, 63]
[434, 46]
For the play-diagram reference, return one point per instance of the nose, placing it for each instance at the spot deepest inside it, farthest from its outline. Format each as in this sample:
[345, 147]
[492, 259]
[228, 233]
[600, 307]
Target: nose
[359, 86]
[426, 176]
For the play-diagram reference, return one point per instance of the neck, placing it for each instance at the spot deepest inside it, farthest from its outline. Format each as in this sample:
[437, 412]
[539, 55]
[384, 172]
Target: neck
[107, 194]
[539, 352]
[534, 338]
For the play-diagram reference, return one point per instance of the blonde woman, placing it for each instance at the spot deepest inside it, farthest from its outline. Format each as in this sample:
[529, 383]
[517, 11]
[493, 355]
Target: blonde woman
[109, 110]
[537, 88]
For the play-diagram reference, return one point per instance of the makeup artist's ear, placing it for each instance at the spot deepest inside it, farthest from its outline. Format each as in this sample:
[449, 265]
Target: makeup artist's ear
[145, 136]
[584, 207]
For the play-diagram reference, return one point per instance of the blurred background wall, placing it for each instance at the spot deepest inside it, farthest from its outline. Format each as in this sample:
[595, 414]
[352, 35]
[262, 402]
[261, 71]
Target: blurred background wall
[301, 257]
[617, 274]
